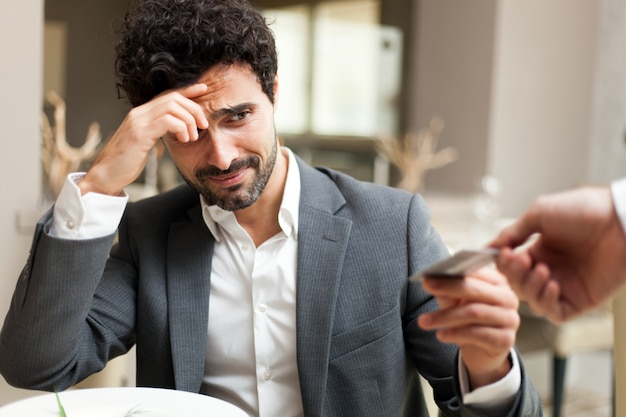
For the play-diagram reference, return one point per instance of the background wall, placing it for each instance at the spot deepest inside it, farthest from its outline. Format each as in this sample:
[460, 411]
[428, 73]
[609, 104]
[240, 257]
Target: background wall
[608, 128]
[514, 83]
[20, 83]
[452, 65]
[542, 97]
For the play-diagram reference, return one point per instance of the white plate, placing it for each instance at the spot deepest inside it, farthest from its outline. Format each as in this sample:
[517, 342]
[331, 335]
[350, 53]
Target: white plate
[123, 402]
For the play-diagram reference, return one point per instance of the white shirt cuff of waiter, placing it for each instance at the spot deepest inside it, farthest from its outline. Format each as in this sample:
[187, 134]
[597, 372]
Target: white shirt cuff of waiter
[618, 191]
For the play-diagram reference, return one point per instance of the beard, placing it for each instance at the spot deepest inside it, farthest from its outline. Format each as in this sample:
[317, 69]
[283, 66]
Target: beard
[238, 196]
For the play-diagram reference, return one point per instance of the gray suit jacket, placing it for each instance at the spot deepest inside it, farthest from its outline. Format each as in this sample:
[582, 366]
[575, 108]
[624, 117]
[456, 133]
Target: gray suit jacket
[359, 348]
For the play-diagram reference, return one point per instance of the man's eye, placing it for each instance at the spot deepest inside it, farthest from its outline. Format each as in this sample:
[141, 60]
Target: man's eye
[240, 116]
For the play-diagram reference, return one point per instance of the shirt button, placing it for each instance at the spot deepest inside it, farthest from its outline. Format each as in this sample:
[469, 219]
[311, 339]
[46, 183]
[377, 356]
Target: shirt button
[245, 246]
[267, 375]
[70, 224]
[262, 308]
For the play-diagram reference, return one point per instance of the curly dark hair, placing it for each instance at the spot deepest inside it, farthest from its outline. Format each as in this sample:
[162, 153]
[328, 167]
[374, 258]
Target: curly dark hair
[168, 44]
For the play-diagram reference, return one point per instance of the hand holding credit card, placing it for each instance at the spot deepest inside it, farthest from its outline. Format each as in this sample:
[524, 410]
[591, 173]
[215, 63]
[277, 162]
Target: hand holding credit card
[462, 263]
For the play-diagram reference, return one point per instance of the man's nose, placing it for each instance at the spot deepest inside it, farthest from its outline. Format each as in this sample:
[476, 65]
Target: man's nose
[221, 151]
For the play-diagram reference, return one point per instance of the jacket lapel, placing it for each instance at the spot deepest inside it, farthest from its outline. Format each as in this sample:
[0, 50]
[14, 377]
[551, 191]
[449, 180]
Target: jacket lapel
[189, 254]
[322, 242]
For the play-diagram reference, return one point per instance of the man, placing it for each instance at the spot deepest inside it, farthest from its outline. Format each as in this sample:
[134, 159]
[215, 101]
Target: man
[267, 283]
[578, 260]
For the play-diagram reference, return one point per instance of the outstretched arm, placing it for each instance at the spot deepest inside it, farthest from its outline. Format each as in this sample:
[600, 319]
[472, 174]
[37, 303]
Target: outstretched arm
[577, 258]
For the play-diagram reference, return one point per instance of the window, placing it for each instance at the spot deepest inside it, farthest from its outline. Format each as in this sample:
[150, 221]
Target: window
[339, 69]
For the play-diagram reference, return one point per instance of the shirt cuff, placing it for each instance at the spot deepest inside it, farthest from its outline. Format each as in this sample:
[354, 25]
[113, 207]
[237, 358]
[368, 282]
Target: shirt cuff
[618, 192]
[497, 396]
[89, 216]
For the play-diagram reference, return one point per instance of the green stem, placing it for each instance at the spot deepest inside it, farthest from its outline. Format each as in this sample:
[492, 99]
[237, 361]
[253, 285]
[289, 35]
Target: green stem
[61, 409]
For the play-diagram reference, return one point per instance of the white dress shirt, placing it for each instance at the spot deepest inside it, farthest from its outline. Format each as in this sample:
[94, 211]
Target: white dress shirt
[618, 191]
[251, 349]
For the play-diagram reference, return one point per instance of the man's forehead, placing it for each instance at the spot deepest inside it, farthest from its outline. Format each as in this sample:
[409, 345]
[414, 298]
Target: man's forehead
[231, 79]
[221, 73]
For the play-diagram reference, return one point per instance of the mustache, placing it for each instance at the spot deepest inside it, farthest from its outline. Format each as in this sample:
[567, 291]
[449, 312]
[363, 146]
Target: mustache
[212, 171]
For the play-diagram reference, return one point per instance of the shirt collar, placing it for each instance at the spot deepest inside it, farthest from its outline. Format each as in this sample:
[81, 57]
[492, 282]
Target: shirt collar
[214, 217]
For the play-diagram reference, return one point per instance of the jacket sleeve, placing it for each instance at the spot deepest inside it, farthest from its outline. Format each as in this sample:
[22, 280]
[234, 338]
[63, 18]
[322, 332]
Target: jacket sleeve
[54, 335]
[435, 361]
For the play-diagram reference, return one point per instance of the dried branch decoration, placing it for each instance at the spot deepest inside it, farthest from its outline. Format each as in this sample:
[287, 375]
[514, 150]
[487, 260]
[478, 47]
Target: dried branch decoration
[415, 154]
[57, 156]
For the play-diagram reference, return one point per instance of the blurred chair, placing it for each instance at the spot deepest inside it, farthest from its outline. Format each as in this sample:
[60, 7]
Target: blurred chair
[589, 332]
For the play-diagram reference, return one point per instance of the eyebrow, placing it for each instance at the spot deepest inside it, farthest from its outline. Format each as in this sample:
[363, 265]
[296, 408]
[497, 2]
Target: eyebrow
[232, 110]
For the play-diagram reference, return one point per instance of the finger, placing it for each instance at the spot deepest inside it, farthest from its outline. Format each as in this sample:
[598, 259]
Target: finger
[508, 256]
[472, 289]
[195, 93]
[488, 339]
[178, 116]
[183, 105]
[530, 283]
[515, 267]
[470, 315]
[542, 293]
[534, 284]
[489, 275]
[446, 302]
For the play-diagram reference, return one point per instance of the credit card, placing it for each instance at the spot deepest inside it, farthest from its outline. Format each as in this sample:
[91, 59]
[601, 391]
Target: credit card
[460, 264]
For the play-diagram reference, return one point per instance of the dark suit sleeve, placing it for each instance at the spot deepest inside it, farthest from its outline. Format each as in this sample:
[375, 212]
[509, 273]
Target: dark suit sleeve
[54, 335]
[436, 361]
